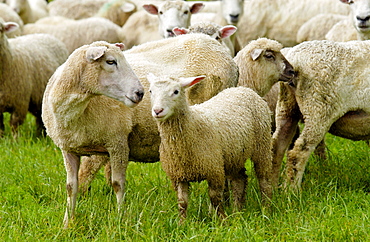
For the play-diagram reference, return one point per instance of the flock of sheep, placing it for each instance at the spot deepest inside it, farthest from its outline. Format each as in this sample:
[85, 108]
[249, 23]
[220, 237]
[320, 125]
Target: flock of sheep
[199, 86]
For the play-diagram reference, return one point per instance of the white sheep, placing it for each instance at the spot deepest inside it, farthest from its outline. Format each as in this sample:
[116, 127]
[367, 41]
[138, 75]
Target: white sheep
[142, 27]
[358, 22]
[75, 33]
[181, 56]
[29, 10]
[117, 11]
[93, 89]
[75, 9]
[211, 141]
[27, 63]
[332, 87]
[220, 33]
[9, 15]
[281, 19]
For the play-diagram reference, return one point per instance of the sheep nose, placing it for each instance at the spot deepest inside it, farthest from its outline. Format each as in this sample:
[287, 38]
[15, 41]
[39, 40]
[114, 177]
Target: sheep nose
[234, 17]
[170, 33]
[139, 94]
[158, 111]
[363, 19]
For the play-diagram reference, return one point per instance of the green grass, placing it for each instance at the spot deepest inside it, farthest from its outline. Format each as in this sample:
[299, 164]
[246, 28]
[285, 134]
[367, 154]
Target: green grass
[333, 206]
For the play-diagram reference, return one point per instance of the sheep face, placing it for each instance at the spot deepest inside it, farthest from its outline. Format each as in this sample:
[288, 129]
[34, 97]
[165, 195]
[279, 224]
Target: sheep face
[232, 10]
[17, 5]
[115, 77]
[360, 10]
[173, 14]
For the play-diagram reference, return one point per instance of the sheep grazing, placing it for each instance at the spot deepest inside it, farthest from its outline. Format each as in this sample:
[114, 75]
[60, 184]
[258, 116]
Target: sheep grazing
[281, 19]
[9, 15]
[29, 10]
[142, 27]
[331, 89]
[236, 124]
[75, 33]
[181, 56]
[93, 89]
[221, 34]
[27, 63]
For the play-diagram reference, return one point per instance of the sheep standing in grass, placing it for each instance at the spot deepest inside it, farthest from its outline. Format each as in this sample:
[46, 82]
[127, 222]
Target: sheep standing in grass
[29, 10]
[26, 64]
[82, 117]
[331, 92]
[211, 141]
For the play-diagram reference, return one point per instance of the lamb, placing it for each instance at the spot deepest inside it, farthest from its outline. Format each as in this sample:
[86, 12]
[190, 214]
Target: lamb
[221, 34]
[75, 33]
[29, 10]
[141, 27]
[211, 141]
[331, 88]
[357, 26]
[27, 63]
[95, 89]
[9, 15]
[181, 56]
[281, 19]
[117, 11]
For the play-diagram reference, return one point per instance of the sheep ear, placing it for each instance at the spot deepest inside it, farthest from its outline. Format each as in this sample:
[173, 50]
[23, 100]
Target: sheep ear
[94, 53]
[255, 53]
[227, 31]
[151, 8]
[180, 31]
[196, 7]
[10, 27]
[344, 1]
[120, 45]
[128, 7]
[189, 81]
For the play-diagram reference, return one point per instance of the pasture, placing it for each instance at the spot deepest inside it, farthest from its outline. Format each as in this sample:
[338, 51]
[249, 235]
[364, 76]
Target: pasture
[334, 204]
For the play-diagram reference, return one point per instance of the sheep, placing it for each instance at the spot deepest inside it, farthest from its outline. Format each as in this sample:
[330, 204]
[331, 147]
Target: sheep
[142, 27]
[75, 33]
[221, 34]
[27, 63]
[95, 89]
[29, 10]
[331, 89]
[182, 56]
[9, 15]
[211, 141]
[117, 11]
[358, 22]
[75, 9]
[281, 19]
[318, 26]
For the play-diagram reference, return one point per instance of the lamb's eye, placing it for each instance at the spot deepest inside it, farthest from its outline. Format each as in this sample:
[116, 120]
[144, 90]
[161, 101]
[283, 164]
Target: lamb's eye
[160, 12]
[218, 37]
[176, 92]
[186, 12]
[111, 62]
[270, 56]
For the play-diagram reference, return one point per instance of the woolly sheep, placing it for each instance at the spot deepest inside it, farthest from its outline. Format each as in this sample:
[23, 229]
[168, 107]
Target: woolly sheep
[142, 27]
[181, 56]
[94, 85]
[358, 22]
[331, 87]
[317, 27]
[27, 63]
[9, 15]
[75, 33]
[75, 9]
[29, 10]
[281, 19]
[211, 141]
[218, 32]
[117, 11]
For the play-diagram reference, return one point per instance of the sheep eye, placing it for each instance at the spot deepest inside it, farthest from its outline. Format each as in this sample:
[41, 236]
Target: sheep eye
[160, 12]
[176, 92]
[270, 56]
[186, 12]
[218, 37]
[111, 62]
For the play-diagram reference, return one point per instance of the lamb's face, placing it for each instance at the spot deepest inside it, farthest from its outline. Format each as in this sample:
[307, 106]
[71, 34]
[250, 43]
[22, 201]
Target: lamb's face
[232, 10]
[360, 14]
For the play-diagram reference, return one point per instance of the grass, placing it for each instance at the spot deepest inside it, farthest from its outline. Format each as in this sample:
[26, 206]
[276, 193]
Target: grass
[333, 206]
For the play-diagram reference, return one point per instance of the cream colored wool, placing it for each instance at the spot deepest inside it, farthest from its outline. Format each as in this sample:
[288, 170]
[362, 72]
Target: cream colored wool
[281, 19]
[211, 141]
[117, 11]
[9, 15]
[75, 9]
[82, 117]
[342, 31]
[27, 63]
[181, 56]
[29, 10]
[332, 86]
[75, 33]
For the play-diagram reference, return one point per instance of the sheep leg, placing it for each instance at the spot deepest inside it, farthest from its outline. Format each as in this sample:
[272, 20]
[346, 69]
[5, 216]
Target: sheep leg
[88, 169]
[16, 119]
[215, 191]
[182, 189]
[71, 163]
[239, 184]
[119, 176]
[287, 118]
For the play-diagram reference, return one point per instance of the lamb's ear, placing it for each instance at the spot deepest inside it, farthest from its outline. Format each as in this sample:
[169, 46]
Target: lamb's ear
[227, 31]
[180, 31]
[196, 7]
[128, 7]
[255, 53]
[94, 53]
[151, 8]
[344, 1]
[10, 27]
[120, 45]
[189, 81]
